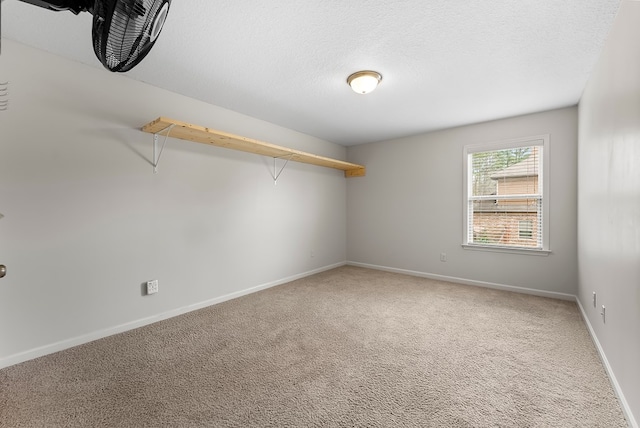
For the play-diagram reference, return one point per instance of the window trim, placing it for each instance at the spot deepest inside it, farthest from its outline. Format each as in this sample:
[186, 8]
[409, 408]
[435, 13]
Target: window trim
[536, 140]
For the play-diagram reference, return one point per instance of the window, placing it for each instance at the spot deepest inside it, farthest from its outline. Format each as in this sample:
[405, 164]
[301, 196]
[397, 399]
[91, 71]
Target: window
[506, 195]
[525, 229]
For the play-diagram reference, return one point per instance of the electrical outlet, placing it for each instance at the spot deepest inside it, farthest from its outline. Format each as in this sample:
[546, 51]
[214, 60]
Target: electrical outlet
[443, 257]
[603, 313]
[152, 286]
[594, 299]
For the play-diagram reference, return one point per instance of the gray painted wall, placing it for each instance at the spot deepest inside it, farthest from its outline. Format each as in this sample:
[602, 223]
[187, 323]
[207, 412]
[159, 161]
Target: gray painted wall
[609, 202]
[86, 221]
[408, 209]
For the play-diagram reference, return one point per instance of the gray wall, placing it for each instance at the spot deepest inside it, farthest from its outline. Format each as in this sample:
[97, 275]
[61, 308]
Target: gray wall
[87, 222]
[408, 209]
[609, 202]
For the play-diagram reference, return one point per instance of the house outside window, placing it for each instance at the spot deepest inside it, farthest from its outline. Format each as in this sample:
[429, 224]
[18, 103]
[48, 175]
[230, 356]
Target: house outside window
[506, 195]
[525, 229]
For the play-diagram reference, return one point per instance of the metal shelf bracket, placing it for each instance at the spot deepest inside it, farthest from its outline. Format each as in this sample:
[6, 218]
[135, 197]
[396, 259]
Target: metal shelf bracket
[157, 154]
[277, 173]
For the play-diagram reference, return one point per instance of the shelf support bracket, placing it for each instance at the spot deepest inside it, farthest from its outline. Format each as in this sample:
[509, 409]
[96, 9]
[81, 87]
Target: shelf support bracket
[277, 173]
[157, 154]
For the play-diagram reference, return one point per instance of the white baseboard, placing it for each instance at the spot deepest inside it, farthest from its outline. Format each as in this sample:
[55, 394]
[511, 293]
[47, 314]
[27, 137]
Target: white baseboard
[612, 377]
[90, 337]
[523, 290]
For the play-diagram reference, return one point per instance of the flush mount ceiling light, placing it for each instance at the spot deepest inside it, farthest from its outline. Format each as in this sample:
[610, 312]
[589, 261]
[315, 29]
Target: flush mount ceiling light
[364, 82]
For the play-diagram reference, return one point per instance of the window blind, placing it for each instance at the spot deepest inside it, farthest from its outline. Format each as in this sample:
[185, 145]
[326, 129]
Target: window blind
[505, 197]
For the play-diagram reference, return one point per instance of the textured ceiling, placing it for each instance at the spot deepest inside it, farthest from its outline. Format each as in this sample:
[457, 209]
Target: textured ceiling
[444, 63]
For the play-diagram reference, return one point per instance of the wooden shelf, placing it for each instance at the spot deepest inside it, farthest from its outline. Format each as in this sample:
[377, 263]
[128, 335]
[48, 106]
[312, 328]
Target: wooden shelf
[200, 134]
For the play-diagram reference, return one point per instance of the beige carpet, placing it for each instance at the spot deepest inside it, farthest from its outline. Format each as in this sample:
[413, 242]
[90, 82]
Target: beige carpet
[349, 347]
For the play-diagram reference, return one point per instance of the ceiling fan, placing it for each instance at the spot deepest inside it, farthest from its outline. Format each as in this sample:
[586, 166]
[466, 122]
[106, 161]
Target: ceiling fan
[124, 31]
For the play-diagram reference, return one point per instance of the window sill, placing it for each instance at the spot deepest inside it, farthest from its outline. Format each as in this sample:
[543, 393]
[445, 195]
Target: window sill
[497, 249]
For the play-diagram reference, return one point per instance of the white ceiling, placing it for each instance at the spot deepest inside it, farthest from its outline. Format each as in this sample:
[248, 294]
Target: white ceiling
[444, 63]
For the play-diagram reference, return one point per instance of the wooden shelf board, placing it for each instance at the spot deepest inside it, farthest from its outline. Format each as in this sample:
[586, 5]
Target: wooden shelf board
[200, 134]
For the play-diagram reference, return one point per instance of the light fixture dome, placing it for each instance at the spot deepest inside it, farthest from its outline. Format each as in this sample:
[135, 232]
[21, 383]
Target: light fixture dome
[365, 81]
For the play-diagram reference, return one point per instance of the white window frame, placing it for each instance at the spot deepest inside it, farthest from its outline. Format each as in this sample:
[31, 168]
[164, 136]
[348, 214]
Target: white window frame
[543, 179]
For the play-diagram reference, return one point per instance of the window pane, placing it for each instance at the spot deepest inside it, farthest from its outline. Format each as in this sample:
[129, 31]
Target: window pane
[506, 225]
[505, 198]
[509, 171]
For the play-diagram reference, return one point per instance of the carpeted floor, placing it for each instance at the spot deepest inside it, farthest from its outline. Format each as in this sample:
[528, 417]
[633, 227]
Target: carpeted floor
[350, 347]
